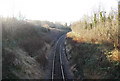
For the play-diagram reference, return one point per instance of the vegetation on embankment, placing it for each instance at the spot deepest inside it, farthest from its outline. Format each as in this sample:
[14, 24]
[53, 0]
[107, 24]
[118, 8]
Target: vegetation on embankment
[26, 45]
[93, 48]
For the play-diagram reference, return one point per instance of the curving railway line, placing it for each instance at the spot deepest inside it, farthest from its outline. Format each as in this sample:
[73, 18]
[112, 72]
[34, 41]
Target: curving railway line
[59, 65]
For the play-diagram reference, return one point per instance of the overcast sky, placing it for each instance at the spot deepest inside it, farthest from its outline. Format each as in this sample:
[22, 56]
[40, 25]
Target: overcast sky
[54, 10]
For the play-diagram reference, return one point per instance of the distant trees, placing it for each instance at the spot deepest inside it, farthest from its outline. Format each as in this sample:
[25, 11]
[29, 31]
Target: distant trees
[65, 24]
[101, 26]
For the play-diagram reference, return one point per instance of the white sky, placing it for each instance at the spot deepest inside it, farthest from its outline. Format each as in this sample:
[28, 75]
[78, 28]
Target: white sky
[53, 10]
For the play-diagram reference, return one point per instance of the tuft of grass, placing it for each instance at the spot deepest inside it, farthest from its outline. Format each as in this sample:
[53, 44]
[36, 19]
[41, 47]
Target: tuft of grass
[115, 55]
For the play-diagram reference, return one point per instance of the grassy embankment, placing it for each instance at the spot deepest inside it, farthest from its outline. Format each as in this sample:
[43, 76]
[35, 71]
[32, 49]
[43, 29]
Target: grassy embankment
[93, 47]
[25, 48]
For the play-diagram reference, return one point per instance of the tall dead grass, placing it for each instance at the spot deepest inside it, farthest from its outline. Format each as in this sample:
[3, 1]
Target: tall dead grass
[27, 37]
[101, 28]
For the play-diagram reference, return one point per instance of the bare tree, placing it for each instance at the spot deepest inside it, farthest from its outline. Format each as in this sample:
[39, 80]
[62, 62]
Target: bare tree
[118, 21]
[119, 13]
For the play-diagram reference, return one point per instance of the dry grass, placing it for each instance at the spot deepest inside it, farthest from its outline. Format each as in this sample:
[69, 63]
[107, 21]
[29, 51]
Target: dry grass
[102, 29]
[115, 55]
[93, 61]
[106, 30]
[27, 44]
[17, 64]
[28, 38]
[95, 47]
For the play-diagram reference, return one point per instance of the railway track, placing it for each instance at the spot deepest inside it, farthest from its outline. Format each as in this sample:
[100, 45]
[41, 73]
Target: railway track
[57, 67]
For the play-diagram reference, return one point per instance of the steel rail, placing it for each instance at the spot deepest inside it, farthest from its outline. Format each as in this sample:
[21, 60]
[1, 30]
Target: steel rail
[61, 64]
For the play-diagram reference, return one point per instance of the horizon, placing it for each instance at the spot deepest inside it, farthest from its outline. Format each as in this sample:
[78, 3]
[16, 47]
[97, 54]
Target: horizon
[55, 11]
